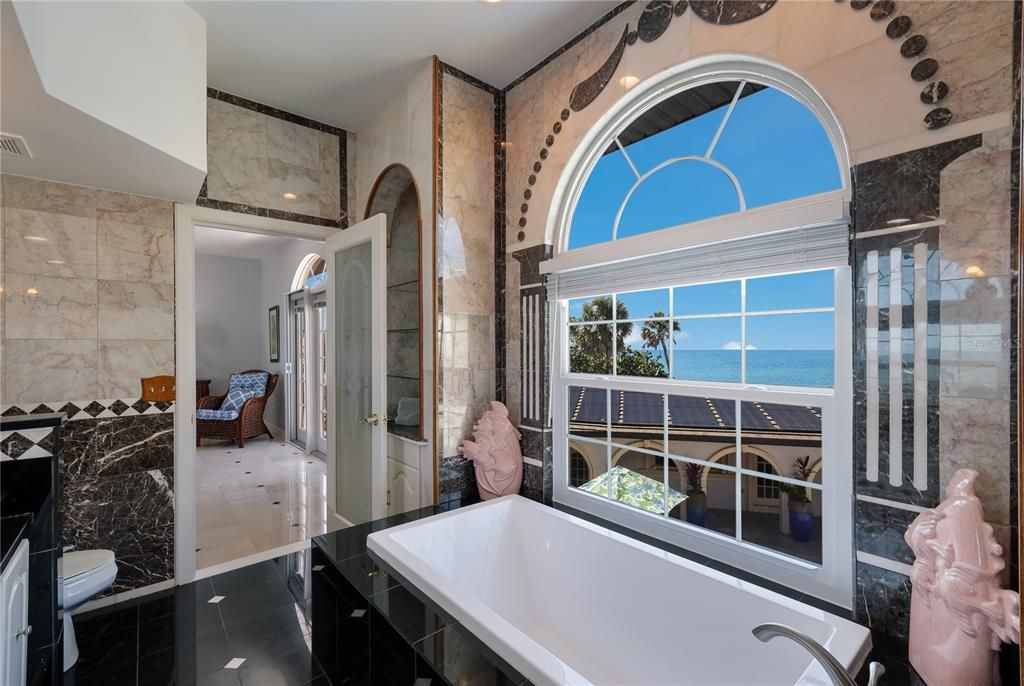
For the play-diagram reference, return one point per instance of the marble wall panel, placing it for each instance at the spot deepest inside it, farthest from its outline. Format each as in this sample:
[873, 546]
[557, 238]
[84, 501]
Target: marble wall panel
[882, 602]
[69, 248]
[131, 252]
[54, 307]
[49, 196]
[100, 317]
[133, 310]
[132, 515]
[977, 331]
[265, 161]
[466, 256]
[124, 208]
[37, 370]
[122, 365]
[975, 433]
[236, 153]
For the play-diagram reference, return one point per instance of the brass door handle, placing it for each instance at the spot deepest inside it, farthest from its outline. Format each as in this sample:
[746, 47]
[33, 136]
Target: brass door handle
[374, 419]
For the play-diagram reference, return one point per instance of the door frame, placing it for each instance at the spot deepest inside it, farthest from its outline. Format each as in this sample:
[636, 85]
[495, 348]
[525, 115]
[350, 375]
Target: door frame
[186, 218]
[372, 230]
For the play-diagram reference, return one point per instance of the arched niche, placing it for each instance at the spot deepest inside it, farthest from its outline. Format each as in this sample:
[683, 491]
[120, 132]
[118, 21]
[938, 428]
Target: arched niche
[395, 195]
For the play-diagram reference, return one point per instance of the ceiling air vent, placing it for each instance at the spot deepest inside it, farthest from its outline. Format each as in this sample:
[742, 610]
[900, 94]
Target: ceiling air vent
[14, 145]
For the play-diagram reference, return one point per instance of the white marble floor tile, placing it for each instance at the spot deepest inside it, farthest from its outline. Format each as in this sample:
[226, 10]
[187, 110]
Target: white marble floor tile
[257, 498]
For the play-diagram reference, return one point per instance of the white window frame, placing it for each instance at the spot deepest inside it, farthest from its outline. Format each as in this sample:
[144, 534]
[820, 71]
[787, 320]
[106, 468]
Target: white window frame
[833, 579]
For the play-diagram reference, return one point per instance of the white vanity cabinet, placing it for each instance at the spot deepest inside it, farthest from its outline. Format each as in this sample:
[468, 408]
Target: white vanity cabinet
[14, 619]
[410, 472]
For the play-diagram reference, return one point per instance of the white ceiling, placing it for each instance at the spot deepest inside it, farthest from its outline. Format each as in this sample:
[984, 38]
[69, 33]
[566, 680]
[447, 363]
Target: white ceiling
[339, 62]
[230, 243]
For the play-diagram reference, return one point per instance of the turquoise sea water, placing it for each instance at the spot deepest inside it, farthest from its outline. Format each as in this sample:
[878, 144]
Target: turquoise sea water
[769, 367]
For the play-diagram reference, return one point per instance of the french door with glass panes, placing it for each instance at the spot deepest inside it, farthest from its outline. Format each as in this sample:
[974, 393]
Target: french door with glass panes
[297, 370]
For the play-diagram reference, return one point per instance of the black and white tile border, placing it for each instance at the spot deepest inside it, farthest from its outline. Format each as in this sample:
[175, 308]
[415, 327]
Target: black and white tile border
[26, 444]
[90, 409]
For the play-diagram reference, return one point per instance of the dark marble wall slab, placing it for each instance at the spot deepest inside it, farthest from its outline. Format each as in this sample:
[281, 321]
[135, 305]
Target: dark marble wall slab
[118, 494]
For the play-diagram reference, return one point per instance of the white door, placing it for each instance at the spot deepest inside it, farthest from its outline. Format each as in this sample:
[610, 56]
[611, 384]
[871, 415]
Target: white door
[357, 370]
[14, 629]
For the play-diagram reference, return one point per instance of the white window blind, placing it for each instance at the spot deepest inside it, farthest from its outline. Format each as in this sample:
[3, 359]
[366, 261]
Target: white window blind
[805, 248]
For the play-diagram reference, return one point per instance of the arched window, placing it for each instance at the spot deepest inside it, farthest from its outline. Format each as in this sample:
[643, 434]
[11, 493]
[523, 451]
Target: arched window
[311, 272]
[702, 298]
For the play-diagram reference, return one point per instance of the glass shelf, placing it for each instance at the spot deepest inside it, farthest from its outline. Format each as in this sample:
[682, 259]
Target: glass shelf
[403, 284]
[403, 330]
[400, 376]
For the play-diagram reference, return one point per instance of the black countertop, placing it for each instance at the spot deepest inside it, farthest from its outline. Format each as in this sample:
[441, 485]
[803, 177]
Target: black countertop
[12, 530]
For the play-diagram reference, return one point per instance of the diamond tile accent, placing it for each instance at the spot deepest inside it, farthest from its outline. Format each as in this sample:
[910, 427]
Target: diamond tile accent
[118, 407]
[14, 445]
[41, 409]
[163, 405]
[13, 411]
[141, 405]
[70, 409]
[94, 408]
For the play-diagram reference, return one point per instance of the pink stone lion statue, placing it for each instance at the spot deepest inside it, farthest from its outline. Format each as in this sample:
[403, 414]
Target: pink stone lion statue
[495, 453]
[959, 615]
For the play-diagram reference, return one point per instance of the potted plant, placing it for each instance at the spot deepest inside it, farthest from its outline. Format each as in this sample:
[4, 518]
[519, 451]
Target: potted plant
[801, 514]
[696, 498]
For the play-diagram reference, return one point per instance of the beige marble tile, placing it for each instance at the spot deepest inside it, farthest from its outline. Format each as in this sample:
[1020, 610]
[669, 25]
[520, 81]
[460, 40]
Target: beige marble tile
[134, 209]
[979, 67]
[976, 434]
[293, 144]
[403, 353]
[49, 196]
[300, 181]
[329, 191]
[128, 252]
[355, 212]
[48, 370]
[49, 307]
[975, 203]
[236, 154]
[122, 365]
[69, 248]
[975, 337]
[135, 311]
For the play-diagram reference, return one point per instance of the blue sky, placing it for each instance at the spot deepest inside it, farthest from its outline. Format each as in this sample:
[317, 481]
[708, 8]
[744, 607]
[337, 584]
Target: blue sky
[778, 151]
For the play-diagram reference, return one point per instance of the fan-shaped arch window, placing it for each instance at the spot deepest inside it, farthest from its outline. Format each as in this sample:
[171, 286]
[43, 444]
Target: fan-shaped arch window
[710, 150]
[702, 294]
[311, 272]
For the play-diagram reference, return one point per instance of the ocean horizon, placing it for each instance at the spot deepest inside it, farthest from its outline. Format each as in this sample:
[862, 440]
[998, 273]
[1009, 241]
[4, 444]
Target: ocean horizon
[768, 367]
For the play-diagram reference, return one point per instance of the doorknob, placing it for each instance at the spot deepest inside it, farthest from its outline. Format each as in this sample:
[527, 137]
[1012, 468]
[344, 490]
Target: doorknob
[374, 419]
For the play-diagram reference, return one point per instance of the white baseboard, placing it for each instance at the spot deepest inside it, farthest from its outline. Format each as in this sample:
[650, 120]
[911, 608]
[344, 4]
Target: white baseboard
[115, 598]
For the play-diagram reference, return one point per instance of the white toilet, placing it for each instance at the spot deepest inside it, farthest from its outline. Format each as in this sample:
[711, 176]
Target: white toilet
[86, 573]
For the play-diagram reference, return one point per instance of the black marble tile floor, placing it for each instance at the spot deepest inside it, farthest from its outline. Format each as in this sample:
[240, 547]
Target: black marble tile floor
[248, 627]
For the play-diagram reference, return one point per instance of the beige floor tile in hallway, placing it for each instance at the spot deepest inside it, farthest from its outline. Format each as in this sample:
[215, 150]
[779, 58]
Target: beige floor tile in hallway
[257, 498]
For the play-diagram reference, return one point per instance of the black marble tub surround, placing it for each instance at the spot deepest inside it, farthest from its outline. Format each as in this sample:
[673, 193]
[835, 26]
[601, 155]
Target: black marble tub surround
[372, 627]
[29, 484]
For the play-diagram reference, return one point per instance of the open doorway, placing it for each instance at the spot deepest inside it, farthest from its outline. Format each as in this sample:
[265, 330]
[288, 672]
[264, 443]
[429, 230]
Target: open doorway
[261, 343]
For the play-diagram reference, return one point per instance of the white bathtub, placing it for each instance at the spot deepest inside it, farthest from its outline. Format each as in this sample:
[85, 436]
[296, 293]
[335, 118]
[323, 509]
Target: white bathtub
[567, 602]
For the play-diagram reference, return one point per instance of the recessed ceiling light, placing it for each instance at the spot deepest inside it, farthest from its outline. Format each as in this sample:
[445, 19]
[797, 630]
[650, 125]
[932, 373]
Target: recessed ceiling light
[290, 196]
[55, 262]
[489, 2]
[628, 81]
[37, 239]
[32, 291]
[897, 221]
[975, 270]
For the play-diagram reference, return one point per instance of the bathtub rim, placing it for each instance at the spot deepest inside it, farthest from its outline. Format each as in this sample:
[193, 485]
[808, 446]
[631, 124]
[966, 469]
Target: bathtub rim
[520, 651]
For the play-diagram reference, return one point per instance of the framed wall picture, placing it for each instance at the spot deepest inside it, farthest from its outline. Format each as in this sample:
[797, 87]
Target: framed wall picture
[275, 333]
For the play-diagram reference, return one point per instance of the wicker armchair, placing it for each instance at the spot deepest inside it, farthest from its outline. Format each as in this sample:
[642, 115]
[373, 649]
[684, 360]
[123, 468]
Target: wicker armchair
[248, 424]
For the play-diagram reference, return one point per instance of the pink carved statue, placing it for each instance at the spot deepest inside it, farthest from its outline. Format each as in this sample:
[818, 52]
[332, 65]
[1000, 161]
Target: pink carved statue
[959, 615]
[495, 453]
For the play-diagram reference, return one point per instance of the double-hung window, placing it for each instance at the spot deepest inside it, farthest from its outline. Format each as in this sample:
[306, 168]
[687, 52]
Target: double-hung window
[701, 373]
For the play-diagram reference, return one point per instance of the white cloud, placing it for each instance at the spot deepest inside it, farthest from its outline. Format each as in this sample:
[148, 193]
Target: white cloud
[735, 345]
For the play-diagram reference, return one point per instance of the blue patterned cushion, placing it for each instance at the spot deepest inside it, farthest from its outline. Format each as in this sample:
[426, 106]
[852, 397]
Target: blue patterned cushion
[220, 415]
[257, 381]
[235, 398]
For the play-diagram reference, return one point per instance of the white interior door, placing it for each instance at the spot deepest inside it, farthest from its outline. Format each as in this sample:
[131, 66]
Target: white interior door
[357, 370]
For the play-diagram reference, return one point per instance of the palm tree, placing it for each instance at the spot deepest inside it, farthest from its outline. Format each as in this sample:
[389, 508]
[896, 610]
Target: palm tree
[657, 334]
[597, 339]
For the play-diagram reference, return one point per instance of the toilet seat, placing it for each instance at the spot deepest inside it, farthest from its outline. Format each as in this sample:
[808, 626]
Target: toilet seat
[81, 561]
[85, 573]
